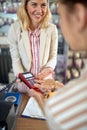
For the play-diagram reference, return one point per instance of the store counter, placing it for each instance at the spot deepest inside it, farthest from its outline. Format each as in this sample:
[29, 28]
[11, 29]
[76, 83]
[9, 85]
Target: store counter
[28, 123]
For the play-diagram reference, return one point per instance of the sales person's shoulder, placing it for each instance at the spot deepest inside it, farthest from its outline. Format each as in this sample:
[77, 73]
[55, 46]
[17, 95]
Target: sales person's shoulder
[15, 29]
[51, 27]
[16, 25]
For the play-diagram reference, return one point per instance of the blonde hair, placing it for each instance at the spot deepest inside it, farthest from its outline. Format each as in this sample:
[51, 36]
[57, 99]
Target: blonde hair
[24, 18]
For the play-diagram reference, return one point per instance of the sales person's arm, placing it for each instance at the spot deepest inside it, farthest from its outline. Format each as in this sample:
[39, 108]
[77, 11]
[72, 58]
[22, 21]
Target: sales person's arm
[50, 52]
[13, 44]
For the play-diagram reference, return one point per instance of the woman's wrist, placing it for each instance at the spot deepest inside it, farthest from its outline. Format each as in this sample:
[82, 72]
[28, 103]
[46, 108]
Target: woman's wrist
[50, 68]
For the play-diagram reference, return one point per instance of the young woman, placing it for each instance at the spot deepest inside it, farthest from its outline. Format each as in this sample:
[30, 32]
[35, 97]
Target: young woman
[69, 110]
[33, 40]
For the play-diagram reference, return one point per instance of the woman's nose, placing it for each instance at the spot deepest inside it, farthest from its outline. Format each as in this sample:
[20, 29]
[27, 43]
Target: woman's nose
[39, 9]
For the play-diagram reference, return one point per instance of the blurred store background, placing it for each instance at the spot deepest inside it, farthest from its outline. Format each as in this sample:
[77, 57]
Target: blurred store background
[69, 63]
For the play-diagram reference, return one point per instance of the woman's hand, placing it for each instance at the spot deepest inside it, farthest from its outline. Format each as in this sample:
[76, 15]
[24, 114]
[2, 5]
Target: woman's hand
[38, 96]
[30, 92]
[45, 73]
[22, 87]
[48, 85]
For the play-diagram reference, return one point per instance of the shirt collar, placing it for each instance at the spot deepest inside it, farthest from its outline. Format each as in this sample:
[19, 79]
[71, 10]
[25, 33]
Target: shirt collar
[36, 32]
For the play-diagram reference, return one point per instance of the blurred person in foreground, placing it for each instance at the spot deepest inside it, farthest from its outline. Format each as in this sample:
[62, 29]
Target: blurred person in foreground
[33, 41]
[67, 109]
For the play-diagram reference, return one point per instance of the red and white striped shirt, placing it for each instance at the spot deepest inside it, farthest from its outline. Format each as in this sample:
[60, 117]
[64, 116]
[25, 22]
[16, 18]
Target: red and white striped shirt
[67, 110]
[35, 45]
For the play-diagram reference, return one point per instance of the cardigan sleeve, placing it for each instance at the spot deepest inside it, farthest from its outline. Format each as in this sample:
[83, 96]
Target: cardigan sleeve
[53, 48]
[13, 45]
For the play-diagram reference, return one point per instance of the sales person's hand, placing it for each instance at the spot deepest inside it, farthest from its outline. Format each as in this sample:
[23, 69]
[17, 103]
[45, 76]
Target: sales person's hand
[45, 73]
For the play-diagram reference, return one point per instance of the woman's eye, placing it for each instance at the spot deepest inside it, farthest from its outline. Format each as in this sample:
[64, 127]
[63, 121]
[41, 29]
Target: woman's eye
[44, 5]
[34, 4]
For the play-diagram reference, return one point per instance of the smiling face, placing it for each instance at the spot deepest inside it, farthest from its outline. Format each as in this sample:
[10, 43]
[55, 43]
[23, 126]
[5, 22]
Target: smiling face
[74, 26]
[37, 10]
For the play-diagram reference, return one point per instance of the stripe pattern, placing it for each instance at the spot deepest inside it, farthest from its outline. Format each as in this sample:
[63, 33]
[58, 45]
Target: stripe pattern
[35, 45]
[67, 110]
